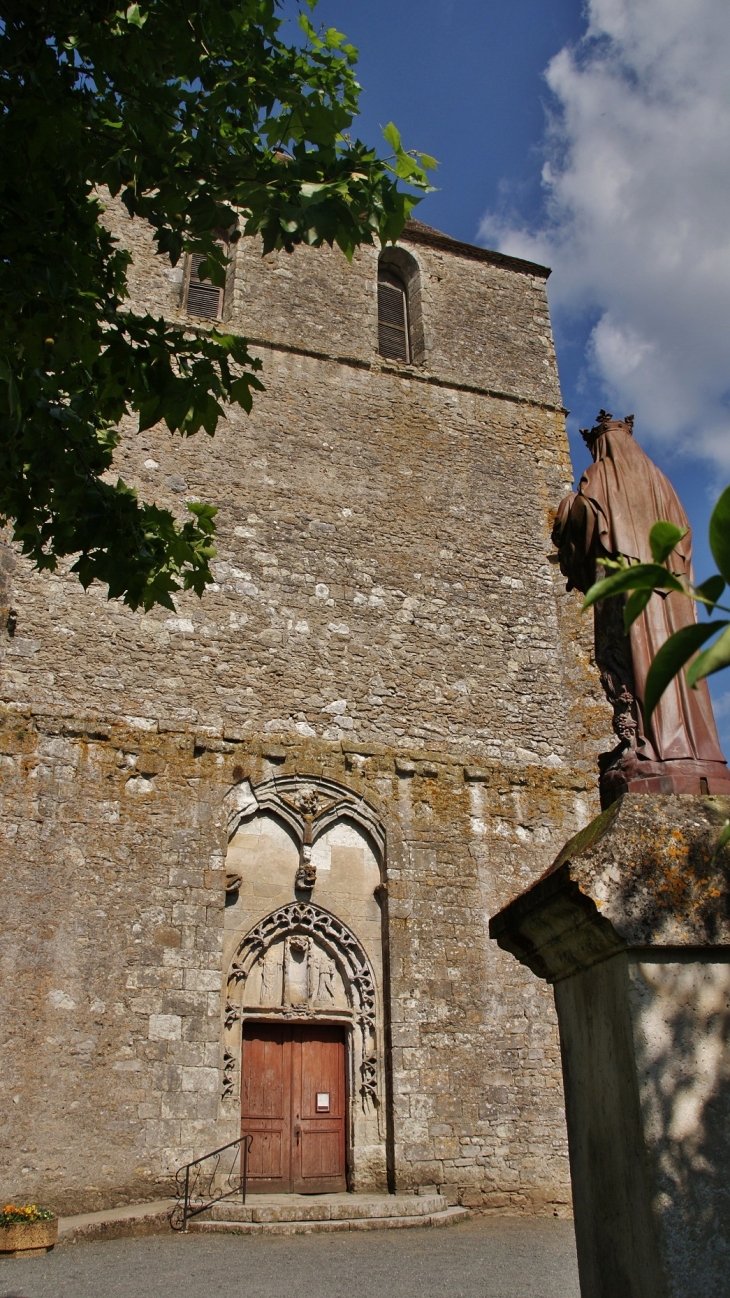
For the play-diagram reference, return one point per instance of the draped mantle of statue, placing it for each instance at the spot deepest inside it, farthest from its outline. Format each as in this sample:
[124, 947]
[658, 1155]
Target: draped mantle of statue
[619, 498]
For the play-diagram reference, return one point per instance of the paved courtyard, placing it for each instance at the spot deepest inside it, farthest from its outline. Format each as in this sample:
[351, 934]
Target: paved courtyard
[484, 1258]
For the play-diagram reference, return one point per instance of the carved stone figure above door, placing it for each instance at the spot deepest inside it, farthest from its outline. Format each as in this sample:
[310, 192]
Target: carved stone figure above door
[308, 807]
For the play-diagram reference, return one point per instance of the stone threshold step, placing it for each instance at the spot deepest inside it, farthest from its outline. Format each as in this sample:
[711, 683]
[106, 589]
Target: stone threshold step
[446, 1217]
[117, 1223]
[324, 1207]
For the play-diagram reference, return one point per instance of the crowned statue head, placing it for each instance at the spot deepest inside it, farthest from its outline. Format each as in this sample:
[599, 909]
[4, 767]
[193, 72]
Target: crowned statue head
[605, 423]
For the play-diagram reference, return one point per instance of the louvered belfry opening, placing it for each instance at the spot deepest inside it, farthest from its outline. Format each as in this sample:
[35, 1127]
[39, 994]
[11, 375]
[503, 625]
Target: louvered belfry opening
[393, 340]
[202, 298]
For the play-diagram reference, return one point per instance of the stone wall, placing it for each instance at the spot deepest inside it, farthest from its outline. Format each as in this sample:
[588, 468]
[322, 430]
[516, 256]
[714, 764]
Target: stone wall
[385, 615]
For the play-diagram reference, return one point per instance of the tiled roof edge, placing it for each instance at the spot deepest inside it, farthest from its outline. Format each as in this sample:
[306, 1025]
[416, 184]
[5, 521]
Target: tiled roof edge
[414, 232]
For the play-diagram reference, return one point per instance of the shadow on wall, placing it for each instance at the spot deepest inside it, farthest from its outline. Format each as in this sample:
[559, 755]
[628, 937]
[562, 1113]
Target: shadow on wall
[681, 1019]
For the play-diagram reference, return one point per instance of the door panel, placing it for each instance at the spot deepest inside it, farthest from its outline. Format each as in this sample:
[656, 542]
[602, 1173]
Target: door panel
[318, 1072]
[293, 1100]
[266, 1104]
[321, 1157]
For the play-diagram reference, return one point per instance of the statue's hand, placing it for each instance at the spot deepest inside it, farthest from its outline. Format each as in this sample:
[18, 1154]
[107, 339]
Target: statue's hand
[562, 519]
[573, 536]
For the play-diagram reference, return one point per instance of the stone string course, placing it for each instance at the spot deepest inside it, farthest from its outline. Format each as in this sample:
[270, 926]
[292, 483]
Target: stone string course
[384, 614]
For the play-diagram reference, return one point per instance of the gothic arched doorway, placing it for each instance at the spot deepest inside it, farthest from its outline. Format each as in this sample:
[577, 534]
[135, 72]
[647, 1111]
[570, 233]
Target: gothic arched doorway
[303, 1031]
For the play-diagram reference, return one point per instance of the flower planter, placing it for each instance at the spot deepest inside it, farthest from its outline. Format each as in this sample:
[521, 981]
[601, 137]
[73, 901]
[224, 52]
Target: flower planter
[28, 1238]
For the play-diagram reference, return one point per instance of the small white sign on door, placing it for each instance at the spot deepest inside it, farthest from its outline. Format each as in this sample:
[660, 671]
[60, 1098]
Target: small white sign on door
[323, 1101]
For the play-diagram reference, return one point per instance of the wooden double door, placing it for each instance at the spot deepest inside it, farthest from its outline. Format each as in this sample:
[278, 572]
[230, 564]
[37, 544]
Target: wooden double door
[293, 1101]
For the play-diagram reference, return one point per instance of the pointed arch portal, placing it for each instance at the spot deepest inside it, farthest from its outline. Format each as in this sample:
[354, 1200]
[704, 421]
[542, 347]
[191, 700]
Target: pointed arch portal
[303, 1014]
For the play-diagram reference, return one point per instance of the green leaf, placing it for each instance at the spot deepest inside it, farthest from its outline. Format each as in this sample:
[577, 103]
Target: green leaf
[639, 576]
[405, 167]
[307, 27]
[392, 137]
[720, 534]
[310, 194]
[635, 605]
[134, 17]
[202, 512]
[334, 39]
[710, 591]
[672, 656]
[722, 841]
[713, 659]
[663, 537]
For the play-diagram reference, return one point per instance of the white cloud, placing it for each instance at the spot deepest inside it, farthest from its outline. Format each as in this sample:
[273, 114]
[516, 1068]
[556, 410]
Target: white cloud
[721, 707]
[637, 218]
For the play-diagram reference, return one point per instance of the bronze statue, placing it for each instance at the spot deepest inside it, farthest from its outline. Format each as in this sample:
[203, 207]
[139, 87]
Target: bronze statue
[619, 499]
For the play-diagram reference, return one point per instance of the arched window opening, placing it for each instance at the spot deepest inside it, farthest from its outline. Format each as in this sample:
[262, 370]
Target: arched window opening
[202, 298]
[393, 330]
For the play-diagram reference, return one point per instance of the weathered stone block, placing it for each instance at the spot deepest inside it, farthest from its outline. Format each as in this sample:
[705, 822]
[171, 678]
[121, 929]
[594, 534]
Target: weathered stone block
[165, 1027]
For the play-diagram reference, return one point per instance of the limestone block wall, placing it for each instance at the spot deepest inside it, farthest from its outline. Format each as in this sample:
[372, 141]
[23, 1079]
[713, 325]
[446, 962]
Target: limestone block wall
[385, 615]
[113, 967]
[383, 572]
[485, 317]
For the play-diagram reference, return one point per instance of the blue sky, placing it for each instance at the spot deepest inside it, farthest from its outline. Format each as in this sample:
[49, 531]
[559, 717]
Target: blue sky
[594, 138]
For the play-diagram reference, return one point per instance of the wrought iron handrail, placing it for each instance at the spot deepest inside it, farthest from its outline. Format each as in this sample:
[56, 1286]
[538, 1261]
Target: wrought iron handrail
[197, 1185]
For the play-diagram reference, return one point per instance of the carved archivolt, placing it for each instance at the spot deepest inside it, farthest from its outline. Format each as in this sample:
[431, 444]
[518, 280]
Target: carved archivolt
[329, 933]
[301, 961]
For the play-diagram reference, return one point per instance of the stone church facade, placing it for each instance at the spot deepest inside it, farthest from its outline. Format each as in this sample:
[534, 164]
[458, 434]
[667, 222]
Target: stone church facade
[251, 849]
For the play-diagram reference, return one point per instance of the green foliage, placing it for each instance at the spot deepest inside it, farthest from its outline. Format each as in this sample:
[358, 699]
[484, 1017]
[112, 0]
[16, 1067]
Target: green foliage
[205, 123]
[720, 534]
[643, 578]
[663, 538]
[672, 656]
[710, 591]
[635, 604]
[640, 580]
[712, 659]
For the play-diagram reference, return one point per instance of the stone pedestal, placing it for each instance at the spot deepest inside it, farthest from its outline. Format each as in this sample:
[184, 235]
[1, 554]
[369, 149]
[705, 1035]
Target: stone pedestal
[632, 926]
[630, 774]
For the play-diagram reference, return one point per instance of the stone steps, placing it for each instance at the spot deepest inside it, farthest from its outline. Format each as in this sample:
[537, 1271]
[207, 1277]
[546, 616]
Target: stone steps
[293, 1214]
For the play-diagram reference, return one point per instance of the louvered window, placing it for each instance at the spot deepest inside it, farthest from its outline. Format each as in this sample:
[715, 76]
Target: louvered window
[202, 298]
[393, 340]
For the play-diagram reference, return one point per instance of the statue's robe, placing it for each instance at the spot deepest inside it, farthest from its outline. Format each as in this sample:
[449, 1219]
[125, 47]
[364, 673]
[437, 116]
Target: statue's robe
[619, 499]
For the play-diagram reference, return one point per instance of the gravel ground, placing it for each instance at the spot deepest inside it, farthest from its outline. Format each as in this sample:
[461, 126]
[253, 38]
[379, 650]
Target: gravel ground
[492, 1257]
